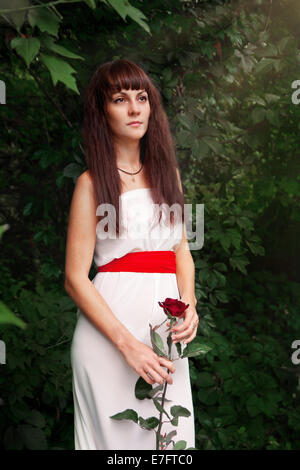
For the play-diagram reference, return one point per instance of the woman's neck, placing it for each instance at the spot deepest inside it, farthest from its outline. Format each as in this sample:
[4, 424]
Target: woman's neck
[128, 156]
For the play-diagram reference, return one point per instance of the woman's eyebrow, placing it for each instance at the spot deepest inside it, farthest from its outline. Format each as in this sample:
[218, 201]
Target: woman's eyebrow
[123, 93]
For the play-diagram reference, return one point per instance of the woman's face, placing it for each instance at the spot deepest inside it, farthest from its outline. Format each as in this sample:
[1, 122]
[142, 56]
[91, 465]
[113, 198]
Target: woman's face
[125, 107]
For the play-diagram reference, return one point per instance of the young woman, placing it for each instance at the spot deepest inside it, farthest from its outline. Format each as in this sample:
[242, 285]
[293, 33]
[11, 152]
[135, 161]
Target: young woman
[131, 167]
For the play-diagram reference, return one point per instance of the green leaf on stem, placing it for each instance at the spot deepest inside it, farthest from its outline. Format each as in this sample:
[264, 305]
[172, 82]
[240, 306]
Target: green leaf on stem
[27, 48]
[178, 410]
[124, 8]
[196, 349]
[127, 414]
[155, 390]
[157, 343]
[165, 399]
[44, 19]
[149, 423]
[60, 71]
[160, 408]
[8, 317]
[174, 421]
[169, 342]
[178, 347]
[180, 445]
[142, 389]
[169, 436]
[48, 42]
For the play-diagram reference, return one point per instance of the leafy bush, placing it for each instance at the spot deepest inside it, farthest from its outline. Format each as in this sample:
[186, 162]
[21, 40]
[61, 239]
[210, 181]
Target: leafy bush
[246, 390]
[35, 384]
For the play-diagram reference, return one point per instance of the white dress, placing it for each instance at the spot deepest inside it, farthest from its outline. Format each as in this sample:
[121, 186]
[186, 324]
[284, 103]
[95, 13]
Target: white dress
[103, 383]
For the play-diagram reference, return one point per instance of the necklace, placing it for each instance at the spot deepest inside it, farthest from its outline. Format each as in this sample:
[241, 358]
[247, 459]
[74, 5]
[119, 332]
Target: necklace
[129, 173]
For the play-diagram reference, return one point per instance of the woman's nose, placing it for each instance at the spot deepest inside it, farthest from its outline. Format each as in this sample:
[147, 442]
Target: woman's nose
[133, 107]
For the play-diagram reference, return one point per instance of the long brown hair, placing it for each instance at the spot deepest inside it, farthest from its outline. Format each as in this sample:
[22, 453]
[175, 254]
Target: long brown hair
[157, 151]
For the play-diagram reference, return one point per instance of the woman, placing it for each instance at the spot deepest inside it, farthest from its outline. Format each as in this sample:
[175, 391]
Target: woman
[134, 165]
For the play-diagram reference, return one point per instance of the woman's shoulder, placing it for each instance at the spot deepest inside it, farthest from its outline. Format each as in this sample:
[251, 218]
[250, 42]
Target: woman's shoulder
[84, 183]
[85, 189]
[85, 177]
[85, 180]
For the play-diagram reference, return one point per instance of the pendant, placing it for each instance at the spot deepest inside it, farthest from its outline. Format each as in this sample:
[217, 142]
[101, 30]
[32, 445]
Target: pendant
[133, 179]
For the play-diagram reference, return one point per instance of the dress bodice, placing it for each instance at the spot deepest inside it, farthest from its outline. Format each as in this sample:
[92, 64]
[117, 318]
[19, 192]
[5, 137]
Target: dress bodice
[139, 229]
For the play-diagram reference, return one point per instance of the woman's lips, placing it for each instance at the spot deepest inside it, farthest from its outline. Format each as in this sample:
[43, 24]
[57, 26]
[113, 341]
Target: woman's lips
[135, 124]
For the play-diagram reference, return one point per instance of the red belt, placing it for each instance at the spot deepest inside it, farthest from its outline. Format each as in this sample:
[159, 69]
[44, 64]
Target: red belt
[143, 262]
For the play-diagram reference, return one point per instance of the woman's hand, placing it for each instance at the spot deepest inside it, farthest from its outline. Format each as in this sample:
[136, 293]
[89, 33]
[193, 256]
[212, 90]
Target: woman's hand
[188, 328]
[143, 360]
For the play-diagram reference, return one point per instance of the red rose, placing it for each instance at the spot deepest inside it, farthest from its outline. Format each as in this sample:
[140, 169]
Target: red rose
[174, 307]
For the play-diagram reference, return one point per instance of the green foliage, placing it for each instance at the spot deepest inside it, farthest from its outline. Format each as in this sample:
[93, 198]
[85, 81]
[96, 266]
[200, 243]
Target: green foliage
[6, 315]
[36, 382]
[26, 48]
[43, 20]
[246, 390]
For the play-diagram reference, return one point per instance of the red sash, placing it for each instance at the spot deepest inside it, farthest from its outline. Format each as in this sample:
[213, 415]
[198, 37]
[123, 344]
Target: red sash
[143, 262]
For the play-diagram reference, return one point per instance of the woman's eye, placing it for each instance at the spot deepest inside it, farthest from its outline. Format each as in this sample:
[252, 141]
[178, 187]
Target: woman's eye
[145, 99]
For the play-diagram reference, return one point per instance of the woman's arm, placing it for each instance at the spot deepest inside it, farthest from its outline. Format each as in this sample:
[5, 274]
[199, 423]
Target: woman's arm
[185, 272]
[81, 238]
[185, 275]
[185, 268]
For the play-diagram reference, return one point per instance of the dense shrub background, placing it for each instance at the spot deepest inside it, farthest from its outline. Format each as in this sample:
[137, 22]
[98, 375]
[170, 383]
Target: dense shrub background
[225, 71]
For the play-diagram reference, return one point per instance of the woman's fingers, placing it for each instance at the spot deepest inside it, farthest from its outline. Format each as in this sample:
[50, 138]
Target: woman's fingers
[188, 340]
[147, 379]
[188, 315]
[187, 330]
[163, 375]
[159, 375]
[167, 364]
[170, 366]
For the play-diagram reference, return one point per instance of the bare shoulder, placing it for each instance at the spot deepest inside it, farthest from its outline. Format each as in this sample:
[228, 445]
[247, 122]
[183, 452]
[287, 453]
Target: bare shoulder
[84, 198]
[81, 235]
[85, 184]
[85, 179]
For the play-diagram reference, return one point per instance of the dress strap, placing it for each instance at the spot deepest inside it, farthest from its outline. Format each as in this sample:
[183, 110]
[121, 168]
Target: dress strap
[143, 262]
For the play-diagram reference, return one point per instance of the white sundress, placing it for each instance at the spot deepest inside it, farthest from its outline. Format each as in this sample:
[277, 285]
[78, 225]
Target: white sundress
[102, 382]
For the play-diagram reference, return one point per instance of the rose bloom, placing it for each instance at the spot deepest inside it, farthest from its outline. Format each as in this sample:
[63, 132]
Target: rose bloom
[174, 307]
